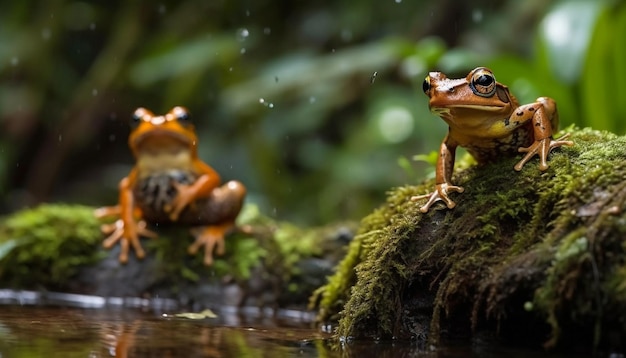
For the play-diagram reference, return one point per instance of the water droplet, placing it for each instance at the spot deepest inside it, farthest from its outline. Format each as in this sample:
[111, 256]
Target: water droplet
[312, 99]
[261, 100]
[267, 30]
[243, 50]
[162, 9]
[242, 34]
[271, 105]
[230, 69]
[15, 61]
[60, 138]
[94, 92]
[112, 138]
[373, 77]
[92, 26]
[398, 1]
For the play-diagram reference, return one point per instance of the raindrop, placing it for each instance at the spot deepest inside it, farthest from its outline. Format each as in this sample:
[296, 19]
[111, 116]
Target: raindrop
[312, 99]
[230, 69]
[261, 100]
[398, 1]
[112, 138]
[373, 77]
[162, 9]
[94, 92]
[267, 30]
[15, 61]
[92, 26]
[270, 105]
[243, 50]
[276, 79]
[60, 138]
[242, 34]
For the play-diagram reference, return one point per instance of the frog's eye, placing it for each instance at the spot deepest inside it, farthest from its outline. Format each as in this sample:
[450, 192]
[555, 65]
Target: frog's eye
[483, 82]
[426, 85]
[182, 116]
[137, 117]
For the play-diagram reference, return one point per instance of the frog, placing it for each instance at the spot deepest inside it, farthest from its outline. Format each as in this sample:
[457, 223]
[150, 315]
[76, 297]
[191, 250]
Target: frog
[170, 184]
[487, 120]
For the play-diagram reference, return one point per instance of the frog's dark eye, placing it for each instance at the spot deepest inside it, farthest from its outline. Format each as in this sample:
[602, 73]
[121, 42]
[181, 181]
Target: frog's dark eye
[136, 118]
[182, 115]
[426, 85]
[483, 82]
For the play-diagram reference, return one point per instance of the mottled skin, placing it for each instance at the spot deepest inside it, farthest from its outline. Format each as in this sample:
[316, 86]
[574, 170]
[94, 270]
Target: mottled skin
[486, 119]
[170, 184]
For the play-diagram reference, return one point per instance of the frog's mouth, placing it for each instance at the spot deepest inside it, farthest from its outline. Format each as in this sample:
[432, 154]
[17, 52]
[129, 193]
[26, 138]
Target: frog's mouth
[477, 107]
[161, 140]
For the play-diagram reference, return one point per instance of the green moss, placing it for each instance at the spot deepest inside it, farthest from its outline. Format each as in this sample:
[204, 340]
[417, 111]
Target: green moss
[550, 241]
[44, 246]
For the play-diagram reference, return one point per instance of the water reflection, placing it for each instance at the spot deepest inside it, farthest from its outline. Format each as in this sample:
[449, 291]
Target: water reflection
[35, 331]
[64, 332]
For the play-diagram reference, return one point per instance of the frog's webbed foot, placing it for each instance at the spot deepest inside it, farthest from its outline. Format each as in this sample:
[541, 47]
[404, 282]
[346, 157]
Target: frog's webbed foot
[117, 231]
[542, 148]
[212, 238]
[440, 193]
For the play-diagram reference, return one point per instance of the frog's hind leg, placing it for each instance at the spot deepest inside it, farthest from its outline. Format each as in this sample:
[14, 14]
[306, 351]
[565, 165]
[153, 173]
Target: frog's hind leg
[220, 211]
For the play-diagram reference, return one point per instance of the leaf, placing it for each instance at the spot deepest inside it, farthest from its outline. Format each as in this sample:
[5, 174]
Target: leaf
[195, 315]
[567, 32]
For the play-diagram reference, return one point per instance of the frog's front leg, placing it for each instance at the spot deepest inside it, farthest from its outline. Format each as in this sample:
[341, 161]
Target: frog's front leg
[544, 120]
[186, 194]
[126, 234]
[443, 177]
[221, 210]
[124, 230]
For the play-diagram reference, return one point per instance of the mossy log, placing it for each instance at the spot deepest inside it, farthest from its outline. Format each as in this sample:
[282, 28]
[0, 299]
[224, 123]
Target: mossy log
[58, 247]
[538, 257]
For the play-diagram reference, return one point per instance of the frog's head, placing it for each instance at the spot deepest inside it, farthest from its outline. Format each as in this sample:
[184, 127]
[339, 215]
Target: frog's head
[171, 132]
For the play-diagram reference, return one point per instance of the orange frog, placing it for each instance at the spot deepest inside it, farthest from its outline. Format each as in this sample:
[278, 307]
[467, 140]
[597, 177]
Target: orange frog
[170, 184]
[486, 119]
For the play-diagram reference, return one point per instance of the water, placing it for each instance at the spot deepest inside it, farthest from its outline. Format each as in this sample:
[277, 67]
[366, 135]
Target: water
[74, 332]
[134, 329]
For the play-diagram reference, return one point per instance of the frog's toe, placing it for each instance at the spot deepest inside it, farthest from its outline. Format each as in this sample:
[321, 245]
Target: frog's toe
[212, 238]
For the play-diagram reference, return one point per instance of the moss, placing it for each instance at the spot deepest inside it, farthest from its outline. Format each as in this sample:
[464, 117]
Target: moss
[537, 249]
[45, 246]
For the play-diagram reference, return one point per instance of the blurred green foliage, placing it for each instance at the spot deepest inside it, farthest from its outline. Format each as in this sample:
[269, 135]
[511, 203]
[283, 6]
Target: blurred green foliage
[315, 106]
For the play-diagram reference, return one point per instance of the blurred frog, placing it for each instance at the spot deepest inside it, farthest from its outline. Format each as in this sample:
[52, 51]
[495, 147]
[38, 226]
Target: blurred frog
[170, 184]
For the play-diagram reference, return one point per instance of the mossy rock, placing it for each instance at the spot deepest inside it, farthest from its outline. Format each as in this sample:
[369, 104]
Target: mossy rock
[538, 257]
[58, 247]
